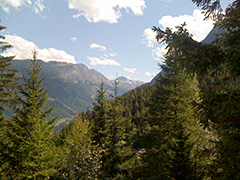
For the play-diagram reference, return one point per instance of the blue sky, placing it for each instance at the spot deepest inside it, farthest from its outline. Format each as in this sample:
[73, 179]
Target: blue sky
[111, 36]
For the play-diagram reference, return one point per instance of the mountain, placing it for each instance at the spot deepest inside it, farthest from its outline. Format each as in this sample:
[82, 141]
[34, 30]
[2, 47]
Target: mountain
[128, 84]
[72, 87]
[213, 35]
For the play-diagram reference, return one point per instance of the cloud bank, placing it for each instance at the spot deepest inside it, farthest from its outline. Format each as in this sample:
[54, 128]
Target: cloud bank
[196, 25]
[149, 37]
[98, 47]
[22, 49]
[130, 70]
[105, 10]
[95, 61]
[36, 5]
[104, 59]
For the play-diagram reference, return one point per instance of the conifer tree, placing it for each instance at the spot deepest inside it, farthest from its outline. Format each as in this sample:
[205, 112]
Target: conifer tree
[81, 156]
[113, 133]
[176, 137]
[7, 98]
[171, 114]
[31, 152]
[7, 75]
[118, 153]
[218, 65]
[100, 115]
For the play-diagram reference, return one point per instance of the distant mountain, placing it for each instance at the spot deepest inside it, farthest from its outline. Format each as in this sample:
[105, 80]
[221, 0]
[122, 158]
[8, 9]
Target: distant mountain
[128, 84]
[72, 87]
[213, 35]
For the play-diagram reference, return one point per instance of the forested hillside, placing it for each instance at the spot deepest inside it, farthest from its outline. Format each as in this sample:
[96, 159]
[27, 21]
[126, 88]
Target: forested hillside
[182, 126]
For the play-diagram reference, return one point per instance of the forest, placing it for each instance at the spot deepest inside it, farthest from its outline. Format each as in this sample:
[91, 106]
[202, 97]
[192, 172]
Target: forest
[185, 127]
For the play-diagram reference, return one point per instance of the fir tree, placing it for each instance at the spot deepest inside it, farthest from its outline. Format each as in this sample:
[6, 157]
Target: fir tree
[176, 134]
[118, 153]
[31, 149]
[216, 64]
[113, 133]
[99, 117]
[7, 75]
[7, 98]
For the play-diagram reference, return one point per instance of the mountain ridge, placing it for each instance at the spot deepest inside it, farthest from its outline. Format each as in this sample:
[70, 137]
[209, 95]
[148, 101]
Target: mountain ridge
[72, 87]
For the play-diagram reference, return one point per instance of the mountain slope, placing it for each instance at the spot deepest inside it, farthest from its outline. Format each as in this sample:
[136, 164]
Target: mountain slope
[72, 87]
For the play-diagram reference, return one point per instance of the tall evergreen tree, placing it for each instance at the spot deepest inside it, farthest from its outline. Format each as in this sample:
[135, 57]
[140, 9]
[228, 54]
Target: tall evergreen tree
[174, 140]
[118, 153]
[7, 75]
[31, 152]
[7, 97]
[172, 118]
[100, 115]
[113, 133]
[218, 65]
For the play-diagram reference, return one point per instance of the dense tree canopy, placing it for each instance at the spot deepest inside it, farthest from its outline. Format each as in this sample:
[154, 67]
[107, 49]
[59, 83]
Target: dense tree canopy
[185, 126]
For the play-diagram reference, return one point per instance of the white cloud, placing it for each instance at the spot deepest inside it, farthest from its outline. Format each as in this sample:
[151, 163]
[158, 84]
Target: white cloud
[94, 61]
[37, 5]
[195, 24]
[97, 46]
[105, 10]
[150, 73]
[130, 70]
[22, 49]
[74, 39]
[112, 54]
[159, 52]
[149, 37]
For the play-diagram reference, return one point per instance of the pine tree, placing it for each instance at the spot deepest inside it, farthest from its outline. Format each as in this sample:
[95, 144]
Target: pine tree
[31, 152]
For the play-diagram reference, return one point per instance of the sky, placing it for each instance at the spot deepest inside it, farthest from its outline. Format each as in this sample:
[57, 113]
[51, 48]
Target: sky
[113, 37]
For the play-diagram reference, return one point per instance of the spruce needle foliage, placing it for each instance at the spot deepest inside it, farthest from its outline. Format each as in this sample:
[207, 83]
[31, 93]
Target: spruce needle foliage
[31, 152]
[217, 68]
[7, 98]
[113, 133]
[7, 76]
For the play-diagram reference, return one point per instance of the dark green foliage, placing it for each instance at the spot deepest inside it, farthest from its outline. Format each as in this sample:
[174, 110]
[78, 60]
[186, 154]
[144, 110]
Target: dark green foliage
[175, 129]
[30, 151]
[135, 103]
[7, 98]
[7, 76]
[217, 68]
[185, 126]
[113, 133]
[100, 115]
